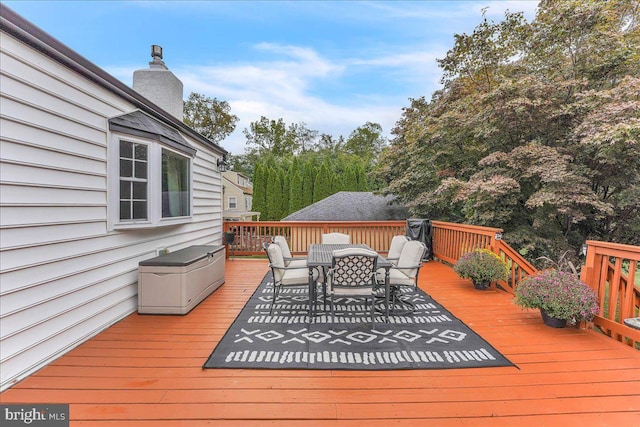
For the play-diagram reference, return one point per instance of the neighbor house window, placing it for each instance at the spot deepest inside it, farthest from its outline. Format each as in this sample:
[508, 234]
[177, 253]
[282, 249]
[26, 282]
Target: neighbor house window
[232, 203]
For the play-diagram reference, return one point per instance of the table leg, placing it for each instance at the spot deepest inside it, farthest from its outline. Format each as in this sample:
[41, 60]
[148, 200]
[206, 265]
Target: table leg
[324, 289]
[386, 293]
[312, 296]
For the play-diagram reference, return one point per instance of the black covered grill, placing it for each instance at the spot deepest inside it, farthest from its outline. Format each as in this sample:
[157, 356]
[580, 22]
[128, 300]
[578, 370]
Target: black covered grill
[421, 230]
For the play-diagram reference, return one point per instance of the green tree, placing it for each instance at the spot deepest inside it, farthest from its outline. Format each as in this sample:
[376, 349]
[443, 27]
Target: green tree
[350, 179]
[274, 195]
[366, 142]
[296, 192]
[285, 182]
[337, 182]
[209, 116]
[361, 174]
[274, 137]
[308, 180]
[535, 130]
[322, 183]
[259, 202]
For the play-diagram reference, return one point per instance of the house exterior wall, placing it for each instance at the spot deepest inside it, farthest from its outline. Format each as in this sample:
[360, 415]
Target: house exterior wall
[234, 192]
[64, 274]
[237, 186]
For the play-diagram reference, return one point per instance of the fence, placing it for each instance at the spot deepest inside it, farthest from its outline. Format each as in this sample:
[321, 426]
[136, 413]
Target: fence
[611, 270]
[450, 240]
[250, 235]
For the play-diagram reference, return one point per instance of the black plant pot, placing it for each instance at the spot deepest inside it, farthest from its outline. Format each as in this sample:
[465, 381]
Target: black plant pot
[481, 285]
[552, 321]
[229, 237]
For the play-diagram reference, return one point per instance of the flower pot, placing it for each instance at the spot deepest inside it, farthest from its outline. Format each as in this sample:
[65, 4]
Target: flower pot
[481, 285]
[229, 237]
[552, 321]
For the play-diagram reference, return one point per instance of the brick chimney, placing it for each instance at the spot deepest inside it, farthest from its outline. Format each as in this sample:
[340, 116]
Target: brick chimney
[160, 85]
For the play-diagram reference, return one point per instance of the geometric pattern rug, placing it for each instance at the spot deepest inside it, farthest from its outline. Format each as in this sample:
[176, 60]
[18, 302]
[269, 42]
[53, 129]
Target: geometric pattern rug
[428, 338]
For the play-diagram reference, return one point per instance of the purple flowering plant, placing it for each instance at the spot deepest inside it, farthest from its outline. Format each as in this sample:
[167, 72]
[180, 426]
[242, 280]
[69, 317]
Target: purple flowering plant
[560, 294]
[481, 266]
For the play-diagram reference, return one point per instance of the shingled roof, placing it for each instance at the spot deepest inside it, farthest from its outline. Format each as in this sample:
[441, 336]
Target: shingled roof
[351, 206]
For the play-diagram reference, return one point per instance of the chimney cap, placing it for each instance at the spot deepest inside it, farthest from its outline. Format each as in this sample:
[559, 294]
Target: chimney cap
[156, 51]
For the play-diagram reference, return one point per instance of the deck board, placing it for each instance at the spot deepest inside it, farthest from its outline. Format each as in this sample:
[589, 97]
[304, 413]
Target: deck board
[146, 371]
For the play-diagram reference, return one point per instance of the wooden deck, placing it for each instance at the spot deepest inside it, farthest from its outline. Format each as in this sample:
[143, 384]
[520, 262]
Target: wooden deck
[146, 371]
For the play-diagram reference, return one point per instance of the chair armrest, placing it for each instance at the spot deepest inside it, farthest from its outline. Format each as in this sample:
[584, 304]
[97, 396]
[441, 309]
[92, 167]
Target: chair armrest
[289, 268]
[411, 267]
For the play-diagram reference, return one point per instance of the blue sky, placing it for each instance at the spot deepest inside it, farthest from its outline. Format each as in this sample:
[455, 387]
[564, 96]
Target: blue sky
[333, 65]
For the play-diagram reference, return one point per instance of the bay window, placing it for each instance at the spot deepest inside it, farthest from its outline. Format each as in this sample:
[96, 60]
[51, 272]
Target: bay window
[152, 186]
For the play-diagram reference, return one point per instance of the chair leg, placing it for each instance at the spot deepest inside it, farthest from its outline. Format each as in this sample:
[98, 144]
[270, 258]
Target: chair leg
[333, 313]
[373, 319]
[275, 295]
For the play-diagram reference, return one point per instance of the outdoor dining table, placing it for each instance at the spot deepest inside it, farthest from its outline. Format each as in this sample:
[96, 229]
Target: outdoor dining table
[321, 256]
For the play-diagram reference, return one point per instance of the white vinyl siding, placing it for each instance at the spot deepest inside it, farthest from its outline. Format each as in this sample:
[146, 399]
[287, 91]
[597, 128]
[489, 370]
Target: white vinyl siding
[64, 275]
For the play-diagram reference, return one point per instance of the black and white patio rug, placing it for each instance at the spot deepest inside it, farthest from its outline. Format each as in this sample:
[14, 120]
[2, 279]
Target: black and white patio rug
[430, 338]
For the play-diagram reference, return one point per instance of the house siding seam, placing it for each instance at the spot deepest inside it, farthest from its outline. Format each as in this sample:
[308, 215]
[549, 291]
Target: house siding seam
[64, 275]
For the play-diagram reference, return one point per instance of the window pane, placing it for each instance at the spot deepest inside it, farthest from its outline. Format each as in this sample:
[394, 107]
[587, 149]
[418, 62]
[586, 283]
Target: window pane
[139, 210]
[133, 181]
[125, 189]
[125, 210]
[140, 190]
[141, 170]
[126, 149]
[125, 168]
[175, 185]
[141, 152]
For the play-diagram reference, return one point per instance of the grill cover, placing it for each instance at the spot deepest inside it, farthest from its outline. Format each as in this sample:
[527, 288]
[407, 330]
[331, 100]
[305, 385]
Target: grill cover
[421, 230]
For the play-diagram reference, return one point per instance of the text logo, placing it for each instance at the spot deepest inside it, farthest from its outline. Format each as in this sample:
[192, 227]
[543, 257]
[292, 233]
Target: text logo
[40, 415]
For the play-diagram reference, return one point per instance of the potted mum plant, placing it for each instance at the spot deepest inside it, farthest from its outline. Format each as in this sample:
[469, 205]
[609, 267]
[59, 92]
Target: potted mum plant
[481, 266]
[561, 297]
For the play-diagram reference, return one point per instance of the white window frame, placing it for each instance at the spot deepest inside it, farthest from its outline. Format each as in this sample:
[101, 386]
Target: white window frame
[235, 200]
[154, 183]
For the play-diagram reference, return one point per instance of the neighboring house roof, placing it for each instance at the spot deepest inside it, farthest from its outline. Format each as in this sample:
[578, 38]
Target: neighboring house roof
[245, 190]
[23, 30]
[351, 206]
[141, 124]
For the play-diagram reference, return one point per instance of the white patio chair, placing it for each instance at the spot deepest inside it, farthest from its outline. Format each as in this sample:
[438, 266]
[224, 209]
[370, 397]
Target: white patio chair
[353, 274]
[284, 276]
[336, 239]
[404, 274]
[289, 260]
[397, 243]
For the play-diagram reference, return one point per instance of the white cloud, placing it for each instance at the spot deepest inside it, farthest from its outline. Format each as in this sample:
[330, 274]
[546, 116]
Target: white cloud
[288, 83]
[283, 86]
[291, 82]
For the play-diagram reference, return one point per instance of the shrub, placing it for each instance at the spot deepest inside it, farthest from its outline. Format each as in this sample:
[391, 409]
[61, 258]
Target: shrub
[481, 266]
[560, 294]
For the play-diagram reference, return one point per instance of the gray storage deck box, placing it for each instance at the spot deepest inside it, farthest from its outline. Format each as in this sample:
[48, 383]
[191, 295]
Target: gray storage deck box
[176, 282]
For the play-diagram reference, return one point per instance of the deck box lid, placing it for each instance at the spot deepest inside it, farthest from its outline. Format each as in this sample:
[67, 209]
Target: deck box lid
[182, 257]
